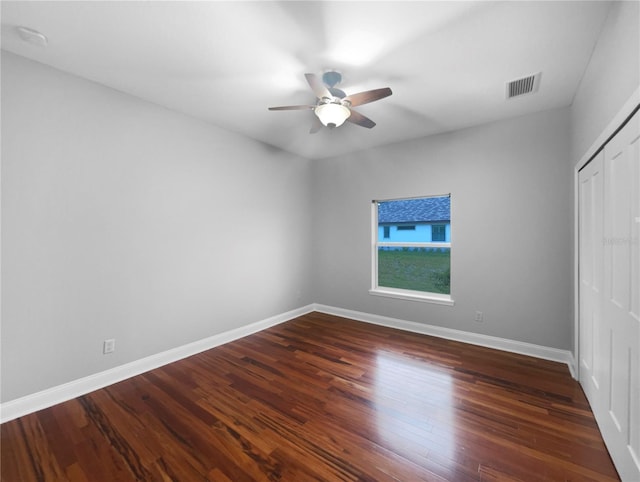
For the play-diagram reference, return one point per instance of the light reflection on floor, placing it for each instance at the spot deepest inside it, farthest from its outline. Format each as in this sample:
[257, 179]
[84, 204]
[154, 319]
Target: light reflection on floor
[414, 408]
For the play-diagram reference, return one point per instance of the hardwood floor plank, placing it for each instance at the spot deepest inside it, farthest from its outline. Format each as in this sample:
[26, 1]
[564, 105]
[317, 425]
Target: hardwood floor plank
[16, 461]
[42, 454]
[113, 437]
[321, 398]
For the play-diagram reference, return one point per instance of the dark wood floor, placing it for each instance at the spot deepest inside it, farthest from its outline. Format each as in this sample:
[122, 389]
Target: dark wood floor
[321, 398]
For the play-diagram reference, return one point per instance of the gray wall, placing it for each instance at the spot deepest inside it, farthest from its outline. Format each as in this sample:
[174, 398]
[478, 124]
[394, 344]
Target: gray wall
[613, 74]
[121, 219]
[610, 79]
[511, 226]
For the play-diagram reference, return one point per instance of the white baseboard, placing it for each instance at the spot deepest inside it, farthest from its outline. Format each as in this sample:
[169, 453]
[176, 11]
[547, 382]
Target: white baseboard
[68, 391]
[537, 351]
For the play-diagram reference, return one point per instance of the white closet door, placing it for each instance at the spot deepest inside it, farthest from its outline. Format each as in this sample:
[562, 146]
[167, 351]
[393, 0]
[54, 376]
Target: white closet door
[591, 202]
[619, 415]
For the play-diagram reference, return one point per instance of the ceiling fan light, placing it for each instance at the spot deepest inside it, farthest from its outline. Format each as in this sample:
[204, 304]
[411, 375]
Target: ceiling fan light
[332, 115]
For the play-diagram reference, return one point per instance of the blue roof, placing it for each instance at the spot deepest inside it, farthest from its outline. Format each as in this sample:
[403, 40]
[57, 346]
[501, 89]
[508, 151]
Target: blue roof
[427, 209]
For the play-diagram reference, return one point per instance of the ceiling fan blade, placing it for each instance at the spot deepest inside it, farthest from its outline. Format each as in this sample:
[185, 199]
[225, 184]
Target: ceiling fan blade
[359, 119]
[319, 89]
[316, 125]
[368, 96]
[293, 107]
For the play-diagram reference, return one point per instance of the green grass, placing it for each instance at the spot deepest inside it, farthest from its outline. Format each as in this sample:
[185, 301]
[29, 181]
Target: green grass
[419, 270]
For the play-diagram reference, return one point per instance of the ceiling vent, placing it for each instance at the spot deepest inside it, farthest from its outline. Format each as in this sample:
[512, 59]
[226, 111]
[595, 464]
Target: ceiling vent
[523, 86]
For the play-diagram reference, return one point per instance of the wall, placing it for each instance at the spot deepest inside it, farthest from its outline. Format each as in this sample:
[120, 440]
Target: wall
[612, 76]
[510, 226]
[609, 81]
[122, 219]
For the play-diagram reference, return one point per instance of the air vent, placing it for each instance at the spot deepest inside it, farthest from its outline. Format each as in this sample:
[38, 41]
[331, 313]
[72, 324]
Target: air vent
[523, 86]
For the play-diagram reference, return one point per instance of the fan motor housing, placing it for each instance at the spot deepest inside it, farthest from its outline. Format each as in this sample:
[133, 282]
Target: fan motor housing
[332, 78]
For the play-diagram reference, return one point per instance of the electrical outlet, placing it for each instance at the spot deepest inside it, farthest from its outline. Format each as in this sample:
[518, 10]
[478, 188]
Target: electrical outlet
[479, 317]
[109, 346]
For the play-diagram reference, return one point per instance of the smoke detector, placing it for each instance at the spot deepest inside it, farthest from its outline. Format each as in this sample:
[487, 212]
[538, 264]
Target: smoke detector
[32, 36]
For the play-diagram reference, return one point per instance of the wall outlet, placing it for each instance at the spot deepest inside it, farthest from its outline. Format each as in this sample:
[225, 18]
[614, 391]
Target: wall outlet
[479, 317]
[109, 346]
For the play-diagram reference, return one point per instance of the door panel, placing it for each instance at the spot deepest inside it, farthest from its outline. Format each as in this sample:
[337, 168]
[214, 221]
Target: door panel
[590, 274]
[620, 422]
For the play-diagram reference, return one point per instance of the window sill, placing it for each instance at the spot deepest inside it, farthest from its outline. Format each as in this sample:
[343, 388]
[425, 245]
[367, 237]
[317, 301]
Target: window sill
[413, 296]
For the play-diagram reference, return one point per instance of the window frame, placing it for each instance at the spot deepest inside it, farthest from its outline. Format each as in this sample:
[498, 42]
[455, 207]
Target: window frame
[399, 293]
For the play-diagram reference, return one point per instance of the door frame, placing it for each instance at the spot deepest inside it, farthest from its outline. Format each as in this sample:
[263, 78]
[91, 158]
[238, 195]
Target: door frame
[627, 110]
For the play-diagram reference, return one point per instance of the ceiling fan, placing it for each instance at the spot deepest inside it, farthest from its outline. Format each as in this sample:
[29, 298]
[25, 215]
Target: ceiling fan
[334, 106]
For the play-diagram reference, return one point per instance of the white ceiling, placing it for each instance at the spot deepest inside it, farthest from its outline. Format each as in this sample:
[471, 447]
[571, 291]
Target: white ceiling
[226, 62]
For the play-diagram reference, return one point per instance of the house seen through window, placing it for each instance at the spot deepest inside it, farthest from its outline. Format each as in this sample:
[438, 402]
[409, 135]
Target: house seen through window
[411, 255]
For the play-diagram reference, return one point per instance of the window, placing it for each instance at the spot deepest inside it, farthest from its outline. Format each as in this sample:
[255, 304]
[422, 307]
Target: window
[438, 233]
[416, 267]
[387, 232]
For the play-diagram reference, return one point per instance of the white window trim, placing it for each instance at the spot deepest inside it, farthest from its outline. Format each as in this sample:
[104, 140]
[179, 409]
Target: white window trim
[412, 295]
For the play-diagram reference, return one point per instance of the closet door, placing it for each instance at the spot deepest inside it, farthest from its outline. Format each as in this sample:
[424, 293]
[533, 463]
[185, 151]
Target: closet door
[592, 354]
[609, 294]
[620, 419]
